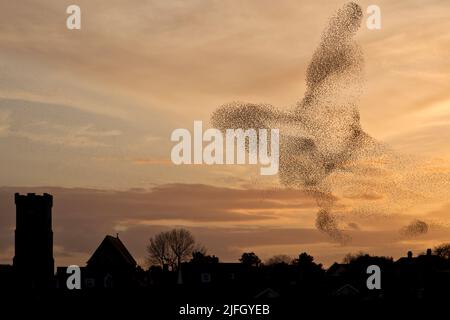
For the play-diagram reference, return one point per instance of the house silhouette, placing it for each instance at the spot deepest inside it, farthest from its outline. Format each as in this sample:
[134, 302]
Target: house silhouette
[110, 266]
[113, 263]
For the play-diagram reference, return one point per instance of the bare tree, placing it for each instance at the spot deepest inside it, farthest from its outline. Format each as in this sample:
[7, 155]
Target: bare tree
[159, 251]
[349, 257]
[279, 259]
[442, 250]
[172, 248]
[182, 244]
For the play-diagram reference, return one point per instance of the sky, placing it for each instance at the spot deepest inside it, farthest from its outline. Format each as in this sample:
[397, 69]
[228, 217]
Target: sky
[87, 116]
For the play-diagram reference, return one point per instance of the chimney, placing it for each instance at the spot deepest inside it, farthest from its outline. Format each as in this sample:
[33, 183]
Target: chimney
[410, 254]
[428, 252]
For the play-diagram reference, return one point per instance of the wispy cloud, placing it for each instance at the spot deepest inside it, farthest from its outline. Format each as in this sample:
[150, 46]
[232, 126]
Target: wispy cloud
[86, 136]
[152, 161]
[4, 123]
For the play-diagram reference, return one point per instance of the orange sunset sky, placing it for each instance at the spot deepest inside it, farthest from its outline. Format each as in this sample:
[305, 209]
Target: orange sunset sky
[86, 115]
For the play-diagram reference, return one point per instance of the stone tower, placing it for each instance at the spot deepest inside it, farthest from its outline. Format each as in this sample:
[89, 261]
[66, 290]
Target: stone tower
[33, 260]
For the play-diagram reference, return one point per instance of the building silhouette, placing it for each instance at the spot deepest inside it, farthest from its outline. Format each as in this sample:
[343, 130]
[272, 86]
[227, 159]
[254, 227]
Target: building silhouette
[33, 261]
[111, 266]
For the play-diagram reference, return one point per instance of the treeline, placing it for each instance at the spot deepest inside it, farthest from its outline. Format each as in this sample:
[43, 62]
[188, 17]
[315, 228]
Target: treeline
[171, 248]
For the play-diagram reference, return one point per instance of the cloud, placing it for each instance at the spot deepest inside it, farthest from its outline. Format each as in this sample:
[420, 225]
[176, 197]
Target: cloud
[4, 123]
[152, 161]
[188, 202]
[56, 124]
[226, 220]
[81, 216]
[76, 137]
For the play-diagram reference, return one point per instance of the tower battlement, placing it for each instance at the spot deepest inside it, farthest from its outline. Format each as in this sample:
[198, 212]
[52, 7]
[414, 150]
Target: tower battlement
[33, 199]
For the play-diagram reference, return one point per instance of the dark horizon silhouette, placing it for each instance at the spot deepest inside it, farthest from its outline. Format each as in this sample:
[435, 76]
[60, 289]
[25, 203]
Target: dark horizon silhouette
[112, 266]
[112, 281]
